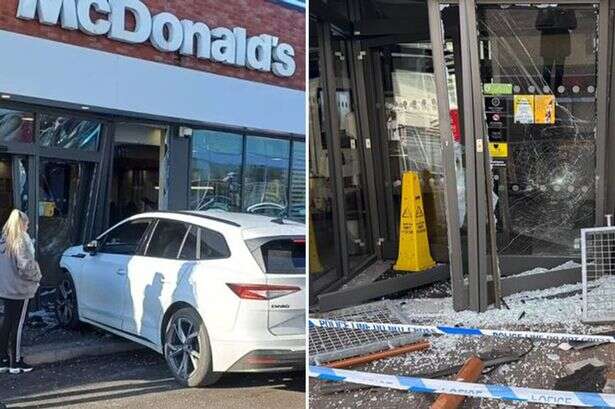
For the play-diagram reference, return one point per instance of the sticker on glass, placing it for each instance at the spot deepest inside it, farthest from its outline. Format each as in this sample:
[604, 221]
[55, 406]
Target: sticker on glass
[544, 109]
[497, 89]
[524, 109]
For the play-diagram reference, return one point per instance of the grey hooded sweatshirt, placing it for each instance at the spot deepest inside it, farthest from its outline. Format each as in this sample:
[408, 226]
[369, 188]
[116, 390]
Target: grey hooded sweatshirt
[19, 273]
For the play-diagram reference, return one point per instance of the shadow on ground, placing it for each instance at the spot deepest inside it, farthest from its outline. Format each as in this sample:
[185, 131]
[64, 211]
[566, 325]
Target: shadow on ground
[140, 376]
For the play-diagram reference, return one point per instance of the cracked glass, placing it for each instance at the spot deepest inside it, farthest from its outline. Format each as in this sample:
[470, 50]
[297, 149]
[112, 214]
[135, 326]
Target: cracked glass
[538, 72]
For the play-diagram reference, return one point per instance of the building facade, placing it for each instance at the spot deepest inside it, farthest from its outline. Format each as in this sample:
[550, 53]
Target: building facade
[113, 107]
[501, 108]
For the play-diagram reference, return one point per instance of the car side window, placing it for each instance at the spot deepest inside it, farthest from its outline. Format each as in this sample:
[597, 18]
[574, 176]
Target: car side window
[125, 238]
[212, 245]
[167, 239]
[189, 251]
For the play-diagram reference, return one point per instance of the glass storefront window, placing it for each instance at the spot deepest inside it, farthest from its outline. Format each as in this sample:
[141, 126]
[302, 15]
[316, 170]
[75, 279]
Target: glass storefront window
[16, 126]
[216, 170]
[539, 86]
[265, 180]
[69, 132]
[297, 183]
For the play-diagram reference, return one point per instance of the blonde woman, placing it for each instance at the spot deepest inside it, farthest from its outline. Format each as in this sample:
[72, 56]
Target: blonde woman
[19, 279]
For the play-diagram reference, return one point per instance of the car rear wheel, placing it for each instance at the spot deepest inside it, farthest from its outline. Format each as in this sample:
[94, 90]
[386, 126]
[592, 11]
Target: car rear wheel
[187, 349]
[66, 306]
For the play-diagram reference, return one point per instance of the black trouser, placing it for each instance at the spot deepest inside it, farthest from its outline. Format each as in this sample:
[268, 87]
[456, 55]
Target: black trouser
[11, 327]
[553, 72]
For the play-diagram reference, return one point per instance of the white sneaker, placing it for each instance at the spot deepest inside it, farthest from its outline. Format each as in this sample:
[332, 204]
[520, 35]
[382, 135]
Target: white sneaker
[4, 365]
[20, 367]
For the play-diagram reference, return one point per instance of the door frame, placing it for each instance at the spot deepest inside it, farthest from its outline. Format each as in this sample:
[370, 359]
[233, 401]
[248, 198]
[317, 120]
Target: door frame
[330, 125]
[387, 216]
[478, 159]
[335, 277]
[35, 152]
[389, 228]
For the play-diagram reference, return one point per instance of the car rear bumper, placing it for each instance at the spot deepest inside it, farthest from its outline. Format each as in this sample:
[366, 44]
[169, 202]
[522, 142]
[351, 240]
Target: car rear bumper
[274, 354]
[270, 360]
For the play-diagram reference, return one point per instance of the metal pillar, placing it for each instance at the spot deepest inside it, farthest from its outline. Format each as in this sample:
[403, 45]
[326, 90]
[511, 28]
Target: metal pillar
[460, 299]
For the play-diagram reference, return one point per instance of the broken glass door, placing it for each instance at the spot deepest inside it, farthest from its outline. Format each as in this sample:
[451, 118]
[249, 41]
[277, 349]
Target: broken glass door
[410, 117]
[409, 137]
[13, 185]
[64, 195]
[538, 67]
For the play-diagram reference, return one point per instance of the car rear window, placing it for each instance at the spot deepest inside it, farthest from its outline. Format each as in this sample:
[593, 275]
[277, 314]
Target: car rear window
[283, 256]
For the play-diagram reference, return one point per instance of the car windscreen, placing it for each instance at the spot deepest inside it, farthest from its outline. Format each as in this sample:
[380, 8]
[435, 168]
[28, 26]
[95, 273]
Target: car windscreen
[280, 255]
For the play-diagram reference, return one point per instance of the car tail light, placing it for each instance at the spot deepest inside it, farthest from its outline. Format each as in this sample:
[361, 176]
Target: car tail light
[262, 291]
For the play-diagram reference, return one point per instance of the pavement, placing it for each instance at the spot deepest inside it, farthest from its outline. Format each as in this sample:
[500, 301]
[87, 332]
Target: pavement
[140, 379]
[543, 364]
[44, 342]
[67, 350]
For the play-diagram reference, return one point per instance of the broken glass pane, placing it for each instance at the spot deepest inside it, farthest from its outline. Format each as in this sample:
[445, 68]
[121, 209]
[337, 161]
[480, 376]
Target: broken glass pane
[538, 69]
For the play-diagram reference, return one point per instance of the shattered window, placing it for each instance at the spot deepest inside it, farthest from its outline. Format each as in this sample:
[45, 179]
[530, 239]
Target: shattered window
[69, 132]
[538, 72]
[16, 126]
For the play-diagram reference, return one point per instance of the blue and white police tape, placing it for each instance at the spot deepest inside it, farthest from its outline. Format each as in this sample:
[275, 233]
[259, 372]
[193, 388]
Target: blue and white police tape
[446, 330]
[477, 390]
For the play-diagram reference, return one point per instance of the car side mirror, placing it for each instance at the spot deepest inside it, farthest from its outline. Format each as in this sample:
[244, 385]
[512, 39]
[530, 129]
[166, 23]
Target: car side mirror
[91, 247]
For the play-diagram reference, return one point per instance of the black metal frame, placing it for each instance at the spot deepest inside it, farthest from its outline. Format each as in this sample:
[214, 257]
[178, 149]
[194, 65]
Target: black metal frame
[343, 271]
[477, 154]
[34, 153]
[337, 275]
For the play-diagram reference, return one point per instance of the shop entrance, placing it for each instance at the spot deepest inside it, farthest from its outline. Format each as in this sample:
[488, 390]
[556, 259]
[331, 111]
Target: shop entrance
[135, 185]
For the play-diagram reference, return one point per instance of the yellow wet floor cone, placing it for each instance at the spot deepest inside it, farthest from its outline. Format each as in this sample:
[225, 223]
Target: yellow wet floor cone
[414, 253]
[315, 266]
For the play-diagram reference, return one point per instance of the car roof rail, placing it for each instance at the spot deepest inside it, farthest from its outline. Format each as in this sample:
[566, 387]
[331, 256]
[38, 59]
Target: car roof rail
[204, 216]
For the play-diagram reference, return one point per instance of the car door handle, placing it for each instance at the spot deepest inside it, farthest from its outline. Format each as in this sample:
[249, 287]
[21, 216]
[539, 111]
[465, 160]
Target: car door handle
[120, 272]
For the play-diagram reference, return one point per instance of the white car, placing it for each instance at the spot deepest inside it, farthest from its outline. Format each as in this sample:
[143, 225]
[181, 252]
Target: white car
[213, 291]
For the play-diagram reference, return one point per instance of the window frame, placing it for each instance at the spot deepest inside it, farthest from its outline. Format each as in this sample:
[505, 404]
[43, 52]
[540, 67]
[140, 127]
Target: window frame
[102, 239]
[199, 248]
[152, 229]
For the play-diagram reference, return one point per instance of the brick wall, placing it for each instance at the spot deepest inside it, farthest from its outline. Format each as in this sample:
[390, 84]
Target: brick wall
[256, 16]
